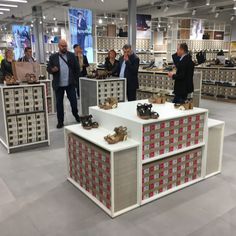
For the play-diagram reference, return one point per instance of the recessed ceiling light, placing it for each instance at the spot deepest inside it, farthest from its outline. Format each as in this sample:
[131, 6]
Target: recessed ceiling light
[4, 9]
[20, 1]
[1, 13]
[7, 5]
[235, 6]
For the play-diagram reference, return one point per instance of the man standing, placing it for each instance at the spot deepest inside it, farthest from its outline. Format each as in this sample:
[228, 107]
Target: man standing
[28, 55]
[129, 65]
[65, 70]
[82, 27]
[184, 75]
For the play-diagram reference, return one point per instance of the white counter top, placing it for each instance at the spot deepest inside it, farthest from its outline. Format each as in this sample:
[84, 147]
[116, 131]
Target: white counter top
[102, 80]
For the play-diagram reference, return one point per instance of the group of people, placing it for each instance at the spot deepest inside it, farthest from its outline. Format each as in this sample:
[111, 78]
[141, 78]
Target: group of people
[66, 68]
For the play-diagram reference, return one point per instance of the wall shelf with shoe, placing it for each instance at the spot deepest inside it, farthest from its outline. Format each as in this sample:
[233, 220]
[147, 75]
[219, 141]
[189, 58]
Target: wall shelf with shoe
[24, 117]
[165, 151]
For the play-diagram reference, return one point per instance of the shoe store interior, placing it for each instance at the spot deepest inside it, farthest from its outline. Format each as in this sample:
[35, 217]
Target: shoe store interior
[117, 117]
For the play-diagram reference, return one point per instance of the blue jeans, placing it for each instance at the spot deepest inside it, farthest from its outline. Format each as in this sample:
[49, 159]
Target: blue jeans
[71, 95]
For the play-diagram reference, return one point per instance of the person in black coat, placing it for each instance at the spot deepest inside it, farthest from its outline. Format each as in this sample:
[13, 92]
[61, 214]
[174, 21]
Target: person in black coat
[65, 70]
[111, 64]
[184, 75]
[82, 27]
[128, 68]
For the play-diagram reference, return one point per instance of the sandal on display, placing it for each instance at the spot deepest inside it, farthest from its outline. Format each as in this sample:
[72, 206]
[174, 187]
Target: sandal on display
[10, 80]
[144, 111]
[31, 79]
[88, 123]
[158, 99]
[119, 136]
[188, 105]
[110, 103]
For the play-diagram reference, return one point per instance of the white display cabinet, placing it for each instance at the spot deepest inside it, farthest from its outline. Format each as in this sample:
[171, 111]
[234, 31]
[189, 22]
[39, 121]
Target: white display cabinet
[24, 117]
[177, 137]
[214, 147]
[94, 92]
[107, 174]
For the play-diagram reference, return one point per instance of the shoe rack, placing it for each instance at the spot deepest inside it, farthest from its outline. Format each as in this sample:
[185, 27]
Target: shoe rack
[24, 117]
[218, 83]
[94, 92]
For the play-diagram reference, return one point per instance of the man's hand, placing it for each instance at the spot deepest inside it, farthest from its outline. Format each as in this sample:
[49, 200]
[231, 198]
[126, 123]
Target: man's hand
[170, 75]
[54, 69]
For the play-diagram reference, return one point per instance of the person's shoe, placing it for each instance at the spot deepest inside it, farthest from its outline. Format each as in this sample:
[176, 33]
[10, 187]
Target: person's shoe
[60, 125]
[77, 118]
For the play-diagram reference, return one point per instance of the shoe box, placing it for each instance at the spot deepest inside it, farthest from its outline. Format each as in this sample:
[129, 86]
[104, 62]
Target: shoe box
[12, 130]
[41, 126]
[89, 166]
[168, 136]
[38, 98]
[22, 129]
[209, 90]
[165, 174]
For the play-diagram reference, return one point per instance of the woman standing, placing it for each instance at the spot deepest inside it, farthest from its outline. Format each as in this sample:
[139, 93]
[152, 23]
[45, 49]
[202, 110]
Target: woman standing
[6, 64]
[111, 64]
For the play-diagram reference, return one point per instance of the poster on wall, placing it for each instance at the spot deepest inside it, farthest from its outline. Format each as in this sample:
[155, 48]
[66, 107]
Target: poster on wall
[21, 39]
[197, 30]
[80, 23]
[144, 26]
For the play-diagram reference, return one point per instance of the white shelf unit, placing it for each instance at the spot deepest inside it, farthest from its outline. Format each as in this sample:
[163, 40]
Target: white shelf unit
[151, 82]
[215, 147]
[94, 92]
[24, 118]
[191, 135]
[101, 171]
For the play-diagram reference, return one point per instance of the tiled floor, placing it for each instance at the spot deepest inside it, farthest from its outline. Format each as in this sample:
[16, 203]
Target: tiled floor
[36, 199]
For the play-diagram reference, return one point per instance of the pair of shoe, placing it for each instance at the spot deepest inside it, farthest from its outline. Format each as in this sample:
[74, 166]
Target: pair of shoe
[187, 105]
[110, 103]
[158, 99]
[144, 111]
[11, 80]
[61, 124]
[88, 123]
[119, 136]
[31, 78]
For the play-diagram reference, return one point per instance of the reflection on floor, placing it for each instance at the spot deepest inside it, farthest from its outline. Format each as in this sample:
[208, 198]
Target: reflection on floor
[36, 199]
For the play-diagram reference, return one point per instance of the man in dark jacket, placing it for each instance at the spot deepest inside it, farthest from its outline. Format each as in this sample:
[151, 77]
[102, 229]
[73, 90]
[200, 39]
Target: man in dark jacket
[28, 55]
[184, 75]
[128, 68]
[65, 70]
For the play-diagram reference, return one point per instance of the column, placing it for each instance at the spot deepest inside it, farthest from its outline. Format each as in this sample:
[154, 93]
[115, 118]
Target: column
[132, 12]
[38, 33]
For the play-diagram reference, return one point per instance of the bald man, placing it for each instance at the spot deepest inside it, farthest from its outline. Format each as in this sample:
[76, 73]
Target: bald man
[65, 70]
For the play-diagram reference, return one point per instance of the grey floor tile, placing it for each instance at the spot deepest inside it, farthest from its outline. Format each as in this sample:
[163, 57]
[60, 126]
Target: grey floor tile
[5, 194]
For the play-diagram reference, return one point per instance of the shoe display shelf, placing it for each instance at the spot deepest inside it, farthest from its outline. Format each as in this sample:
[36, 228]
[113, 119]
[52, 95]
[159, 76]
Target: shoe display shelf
[151, 82]
[94, 91]
[160, 156]
[24, 117]
[218, 83]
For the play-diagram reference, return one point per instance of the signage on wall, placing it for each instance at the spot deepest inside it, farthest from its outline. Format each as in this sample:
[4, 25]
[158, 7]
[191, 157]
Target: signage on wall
[80, 24]
[21, 39]
[144, 26]
[219, 35]
[197, 30]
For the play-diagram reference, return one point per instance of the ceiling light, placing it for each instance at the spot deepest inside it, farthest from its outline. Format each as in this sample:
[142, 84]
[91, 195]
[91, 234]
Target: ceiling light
[213, 9]
[7, 5]
[44, 17]
[100, 21]
[235, 6]
[102, 0]
[121, 18]
[232, 18]
[20, 1]
[194, 12]
[40, 22]
[1, 13]
[186, 4]
[32, 25]
[54, 18]
[208, 2]
[217, 14]
[166, 9]
[4, 9]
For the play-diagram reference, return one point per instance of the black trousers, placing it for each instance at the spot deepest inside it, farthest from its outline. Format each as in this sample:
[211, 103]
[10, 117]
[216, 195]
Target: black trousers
[131, 95]
[71, 95]
[180, 98]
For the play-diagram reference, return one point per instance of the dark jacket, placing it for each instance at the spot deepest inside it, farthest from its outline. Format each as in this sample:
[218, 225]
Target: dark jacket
[74, 70]
[83, 25]
[131, 71]
[83, 72]
[113, 69]
[6, 68]
[184, 77]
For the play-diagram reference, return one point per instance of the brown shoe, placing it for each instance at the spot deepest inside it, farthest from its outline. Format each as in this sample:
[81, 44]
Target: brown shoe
[119, 136]
[110, 103]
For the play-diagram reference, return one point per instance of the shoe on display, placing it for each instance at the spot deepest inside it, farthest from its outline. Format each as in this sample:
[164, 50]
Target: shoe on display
[119, 136]
[88, 123]
[110, 103]
[187, 105]
[144, 111]
[60, 125]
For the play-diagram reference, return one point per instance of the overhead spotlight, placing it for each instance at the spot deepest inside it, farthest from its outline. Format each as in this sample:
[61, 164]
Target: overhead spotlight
[159, 25]
[217, 14]
[121, 18]
[235, 6]
[112, 22]
[40, 22]
[166, 8]
[213, 9]
[169, 26]
[100, 21]
[55, 29]
[194, 12]
[32, 25]
[208, 2]
[186, 4]
[54, 18]
[44, 17]
[102, 0]
[232, 18]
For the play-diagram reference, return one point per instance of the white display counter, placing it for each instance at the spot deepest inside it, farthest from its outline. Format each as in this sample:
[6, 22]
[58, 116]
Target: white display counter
[165, 155]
